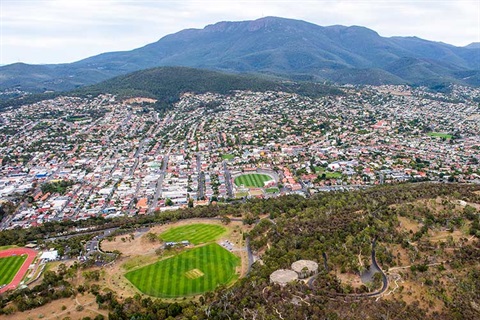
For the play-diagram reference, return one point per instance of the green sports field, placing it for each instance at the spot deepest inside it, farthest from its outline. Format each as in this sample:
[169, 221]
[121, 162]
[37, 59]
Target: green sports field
[252, 180]
[9, 267]
[440, 135]
[191, 272]
[272, 190]
[194, 233]
[227, 156]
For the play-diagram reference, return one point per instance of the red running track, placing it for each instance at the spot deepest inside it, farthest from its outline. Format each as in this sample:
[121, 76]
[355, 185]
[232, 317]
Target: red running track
[23, 269]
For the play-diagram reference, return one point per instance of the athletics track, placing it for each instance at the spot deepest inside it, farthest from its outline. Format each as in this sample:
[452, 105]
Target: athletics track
[23, 269]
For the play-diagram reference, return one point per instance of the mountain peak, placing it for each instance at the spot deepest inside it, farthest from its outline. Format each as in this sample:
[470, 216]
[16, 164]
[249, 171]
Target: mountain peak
[473, 45]
[253, 25]
[290, 48]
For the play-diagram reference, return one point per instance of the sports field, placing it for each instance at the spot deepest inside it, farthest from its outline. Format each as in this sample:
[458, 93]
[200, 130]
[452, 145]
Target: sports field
[9, 267]
[194, 233]
[191, 272]
[252, 180]
[227, 156]
[272, 190]
[440, 135]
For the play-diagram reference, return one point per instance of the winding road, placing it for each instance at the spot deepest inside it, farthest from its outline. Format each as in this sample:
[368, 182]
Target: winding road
[369, 294]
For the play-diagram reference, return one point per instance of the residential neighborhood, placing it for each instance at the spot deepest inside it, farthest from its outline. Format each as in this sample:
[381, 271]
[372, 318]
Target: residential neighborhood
[72, 158]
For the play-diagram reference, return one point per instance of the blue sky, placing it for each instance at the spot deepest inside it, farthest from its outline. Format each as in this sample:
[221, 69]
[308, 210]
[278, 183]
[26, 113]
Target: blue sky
[56, 31]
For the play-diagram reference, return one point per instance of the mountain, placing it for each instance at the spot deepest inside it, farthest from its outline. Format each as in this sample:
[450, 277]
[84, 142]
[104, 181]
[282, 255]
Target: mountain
[473, 45]
[276, 46]
[166, 84]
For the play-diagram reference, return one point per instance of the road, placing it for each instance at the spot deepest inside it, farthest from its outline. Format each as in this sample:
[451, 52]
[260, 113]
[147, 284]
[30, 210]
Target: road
[325, 264]
[370, 294]
[115, 185]
[158, 190]
[377, 267]
[201, 185]
[109, 230]
[228, 179]
[382, 177]
[201, 177]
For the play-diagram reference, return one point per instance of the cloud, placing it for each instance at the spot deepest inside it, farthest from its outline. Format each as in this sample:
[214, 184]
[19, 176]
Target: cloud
[53, 31]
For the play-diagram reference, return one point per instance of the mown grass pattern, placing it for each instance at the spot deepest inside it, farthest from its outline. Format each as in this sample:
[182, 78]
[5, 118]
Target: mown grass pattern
[194, 233]
[9, 267]
[171, 278]
[252, 180]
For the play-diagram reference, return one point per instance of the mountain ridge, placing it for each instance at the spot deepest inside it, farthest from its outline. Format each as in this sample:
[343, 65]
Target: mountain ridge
[473, 45]
[271, 45]
[167, 84]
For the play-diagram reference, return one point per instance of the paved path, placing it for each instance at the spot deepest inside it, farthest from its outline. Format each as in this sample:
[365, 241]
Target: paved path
[370, 294]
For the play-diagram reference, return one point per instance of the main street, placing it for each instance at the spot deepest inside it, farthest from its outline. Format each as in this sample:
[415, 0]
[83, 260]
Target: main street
[158, 190]
[201, 177]
[228, 179]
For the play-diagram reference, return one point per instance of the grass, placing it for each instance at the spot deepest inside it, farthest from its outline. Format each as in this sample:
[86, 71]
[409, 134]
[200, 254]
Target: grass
[333, 175]
[77, 118]
[194, 233]
[9, 267]
[252, 180]
[318, 169]
[272, 190]
[362, 131]
[440, 135]
[189, 273]
[8, 247]
[227, 156]
[328, 174]
[137, 262]
[241, 194]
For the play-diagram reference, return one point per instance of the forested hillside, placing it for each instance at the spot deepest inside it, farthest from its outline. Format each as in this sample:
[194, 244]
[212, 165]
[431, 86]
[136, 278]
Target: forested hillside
[425, 234]
[166, 84]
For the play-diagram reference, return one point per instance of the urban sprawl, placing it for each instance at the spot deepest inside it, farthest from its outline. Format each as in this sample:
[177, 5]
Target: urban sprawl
[73, 158]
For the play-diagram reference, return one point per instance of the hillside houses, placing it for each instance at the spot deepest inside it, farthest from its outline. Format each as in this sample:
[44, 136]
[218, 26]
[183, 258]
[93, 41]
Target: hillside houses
[126, 159]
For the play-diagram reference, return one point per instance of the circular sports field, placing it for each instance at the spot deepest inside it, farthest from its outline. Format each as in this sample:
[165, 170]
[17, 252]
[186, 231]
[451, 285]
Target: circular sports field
[252, 180]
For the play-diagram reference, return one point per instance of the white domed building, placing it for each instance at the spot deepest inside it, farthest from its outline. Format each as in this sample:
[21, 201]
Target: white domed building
[305, 268]
[283, 276]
